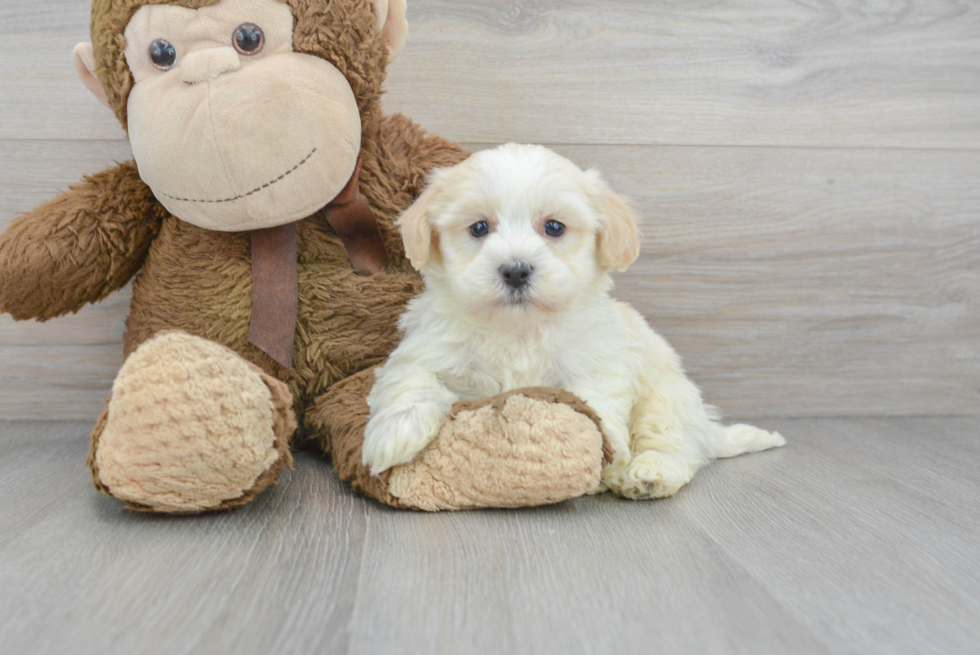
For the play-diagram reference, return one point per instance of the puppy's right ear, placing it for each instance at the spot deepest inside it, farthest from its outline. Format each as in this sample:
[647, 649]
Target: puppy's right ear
[415, 227]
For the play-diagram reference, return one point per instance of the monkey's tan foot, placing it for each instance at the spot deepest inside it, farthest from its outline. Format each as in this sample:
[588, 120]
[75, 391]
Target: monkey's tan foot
[191, 427]
[528, 447]
[524, 448]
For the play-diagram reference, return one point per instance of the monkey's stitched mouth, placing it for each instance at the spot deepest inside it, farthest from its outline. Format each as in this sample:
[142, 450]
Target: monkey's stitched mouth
[253, 191]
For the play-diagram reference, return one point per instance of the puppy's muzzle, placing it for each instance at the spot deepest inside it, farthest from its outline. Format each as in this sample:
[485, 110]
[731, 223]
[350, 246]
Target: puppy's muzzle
[516, 275]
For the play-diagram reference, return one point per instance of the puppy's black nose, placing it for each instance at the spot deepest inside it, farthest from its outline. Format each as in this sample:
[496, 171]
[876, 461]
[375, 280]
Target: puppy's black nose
[516, 274]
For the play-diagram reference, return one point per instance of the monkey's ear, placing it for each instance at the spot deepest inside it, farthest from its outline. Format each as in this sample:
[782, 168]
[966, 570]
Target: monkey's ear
[394, 24]
[83, 59]
[619, 232]
[415, 226]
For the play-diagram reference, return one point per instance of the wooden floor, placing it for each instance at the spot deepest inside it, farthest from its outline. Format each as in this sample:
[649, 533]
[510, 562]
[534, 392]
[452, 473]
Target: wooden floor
[861, 536]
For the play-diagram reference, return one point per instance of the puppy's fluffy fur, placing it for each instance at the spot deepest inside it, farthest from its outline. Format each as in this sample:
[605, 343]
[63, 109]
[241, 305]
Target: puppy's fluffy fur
[472, 334]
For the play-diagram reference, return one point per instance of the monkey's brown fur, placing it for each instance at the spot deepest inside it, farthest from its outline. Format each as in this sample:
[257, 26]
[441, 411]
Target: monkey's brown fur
[90, 241]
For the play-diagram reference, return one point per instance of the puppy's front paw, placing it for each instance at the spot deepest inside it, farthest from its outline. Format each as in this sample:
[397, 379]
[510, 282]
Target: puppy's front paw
[396, 436]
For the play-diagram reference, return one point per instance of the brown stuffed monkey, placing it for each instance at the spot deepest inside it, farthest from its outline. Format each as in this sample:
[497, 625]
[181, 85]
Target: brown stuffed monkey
[258, 220]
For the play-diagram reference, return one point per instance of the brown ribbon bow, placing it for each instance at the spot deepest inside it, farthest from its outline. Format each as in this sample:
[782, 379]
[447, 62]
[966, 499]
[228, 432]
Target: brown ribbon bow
[275, 278]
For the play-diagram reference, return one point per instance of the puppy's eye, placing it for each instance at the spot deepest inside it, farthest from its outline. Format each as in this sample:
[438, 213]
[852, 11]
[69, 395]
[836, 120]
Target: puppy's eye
[248, 39]
[554, 229]
[163, 54]
[480, 230]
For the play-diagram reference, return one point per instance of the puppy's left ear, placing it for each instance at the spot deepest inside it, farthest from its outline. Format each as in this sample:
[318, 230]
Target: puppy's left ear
[619, 232]
[415, 227]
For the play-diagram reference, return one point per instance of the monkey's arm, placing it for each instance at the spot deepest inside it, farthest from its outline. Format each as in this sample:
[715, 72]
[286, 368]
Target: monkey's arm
[79, 247]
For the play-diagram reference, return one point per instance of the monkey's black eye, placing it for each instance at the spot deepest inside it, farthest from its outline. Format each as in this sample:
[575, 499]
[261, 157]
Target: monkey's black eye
[248, 39]
[554, 229]
[163, 54]
[480, 230]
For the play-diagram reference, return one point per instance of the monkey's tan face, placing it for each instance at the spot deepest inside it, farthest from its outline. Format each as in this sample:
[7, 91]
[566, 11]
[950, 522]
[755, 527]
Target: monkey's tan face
[230, 128]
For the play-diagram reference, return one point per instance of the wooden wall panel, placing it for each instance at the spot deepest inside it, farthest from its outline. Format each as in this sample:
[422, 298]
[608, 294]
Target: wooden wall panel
[807, 171]
[794, 281]
[811, 281]
[738, 72]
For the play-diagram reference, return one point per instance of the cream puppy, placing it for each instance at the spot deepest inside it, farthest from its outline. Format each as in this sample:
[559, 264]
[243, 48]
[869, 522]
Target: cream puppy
[516, 246]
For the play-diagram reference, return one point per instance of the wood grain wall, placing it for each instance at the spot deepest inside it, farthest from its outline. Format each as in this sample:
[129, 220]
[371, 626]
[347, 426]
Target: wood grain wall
[808, 171]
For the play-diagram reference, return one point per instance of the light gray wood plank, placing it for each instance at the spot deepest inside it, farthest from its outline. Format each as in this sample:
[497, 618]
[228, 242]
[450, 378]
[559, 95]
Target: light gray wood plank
[840, 527]
[857, 562]
[40, 466]
[810, 282]
[57, 382]
[36, 171]
[739, 72]
[936, 458]
[81, 575]
[584, 577]
[42, 97]
[98, 326]
[793, 281]
[861, 536]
